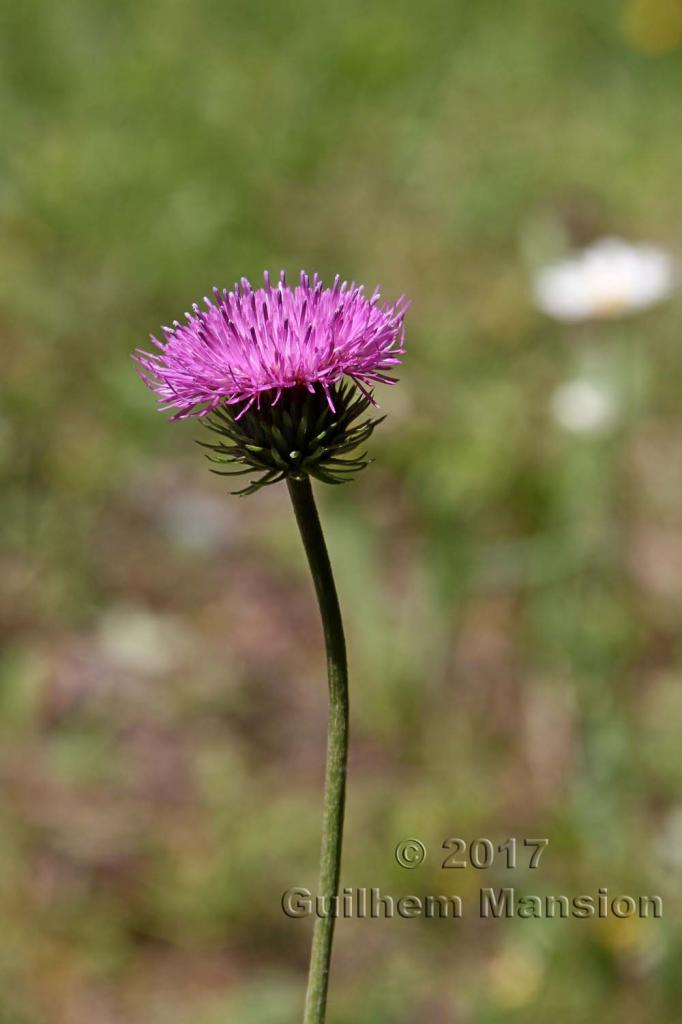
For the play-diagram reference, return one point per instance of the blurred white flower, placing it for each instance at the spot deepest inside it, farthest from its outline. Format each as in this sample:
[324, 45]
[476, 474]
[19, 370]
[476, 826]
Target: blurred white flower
[608, 279]
[583, 407]
[197, 522]
[139, 640]
[669, 841]
[514, 977]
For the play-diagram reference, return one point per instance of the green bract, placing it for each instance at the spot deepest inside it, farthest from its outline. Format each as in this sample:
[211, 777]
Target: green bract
[300, 435]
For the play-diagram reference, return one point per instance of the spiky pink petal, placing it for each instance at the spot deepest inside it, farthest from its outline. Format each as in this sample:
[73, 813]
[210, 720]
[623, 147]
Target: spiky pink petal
[248, 341]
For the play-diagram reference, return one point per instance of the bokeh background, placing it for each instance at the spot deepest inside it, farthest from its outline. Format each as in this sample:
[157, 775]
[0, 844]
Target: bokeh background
[513, 589]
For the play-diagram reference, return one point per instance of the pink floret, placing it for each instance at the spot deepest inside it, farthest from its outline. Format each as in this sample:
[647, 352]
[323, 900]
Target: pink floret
[248, 342]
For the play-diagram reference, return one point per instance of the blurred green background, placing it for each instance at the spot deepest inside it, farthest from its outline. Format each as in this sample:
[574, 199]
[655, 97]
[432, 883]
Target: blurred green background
[512, 590]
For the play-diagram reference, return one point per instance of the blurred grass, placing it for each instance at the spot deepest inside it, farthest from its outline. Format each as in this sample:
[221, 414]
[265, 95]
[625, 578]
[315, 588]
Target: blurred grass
[513, 593]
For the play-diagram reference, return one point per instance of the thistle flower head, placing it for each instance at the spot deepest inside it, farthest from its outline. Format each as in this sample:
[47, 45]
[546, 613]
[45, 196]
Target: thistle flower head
[266, 367]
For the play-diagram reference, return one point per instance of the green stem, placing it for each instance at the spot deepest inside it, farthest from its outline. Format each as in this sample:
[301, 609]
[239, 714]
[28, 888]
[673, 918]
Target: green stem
[337, 744]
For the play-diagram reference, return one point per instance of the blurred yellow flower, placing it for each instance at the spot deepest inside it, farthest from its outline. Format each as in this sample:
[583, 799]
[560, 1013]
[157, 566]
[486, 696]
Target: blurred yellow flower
[653, 26]
[619, 934]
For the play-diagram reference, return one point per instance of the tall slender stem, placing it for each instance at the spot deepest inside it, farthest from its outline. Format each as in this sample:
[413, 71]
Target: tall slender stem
[337, 744]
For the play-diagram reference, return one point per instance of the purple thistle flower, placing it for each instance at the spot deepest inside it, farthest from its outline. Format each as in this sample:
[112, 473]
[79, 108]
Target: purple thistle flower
[248, 342]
